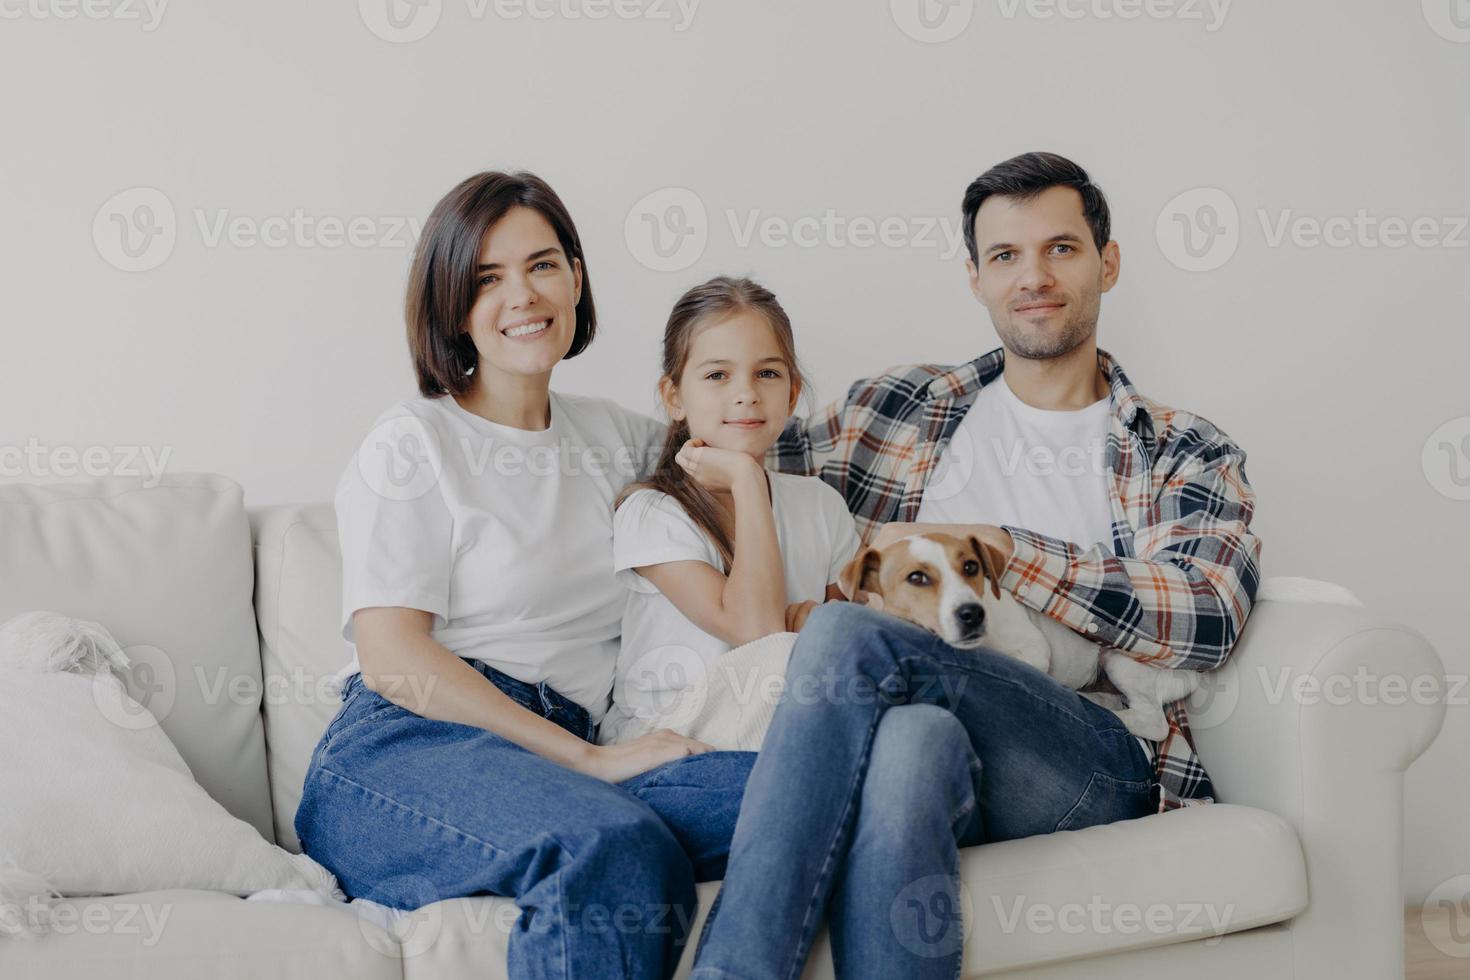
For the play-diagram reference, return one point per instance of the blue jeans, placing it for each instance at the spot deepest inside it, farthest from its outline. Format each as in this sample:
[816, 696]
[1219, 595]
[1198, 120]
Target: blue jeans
[407, 811]
[889, 751]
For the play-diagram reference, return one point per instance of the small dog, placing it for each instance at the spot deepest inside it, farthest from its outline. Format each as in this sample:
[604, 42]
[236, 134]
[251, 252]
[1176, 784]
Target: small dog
[940, 583]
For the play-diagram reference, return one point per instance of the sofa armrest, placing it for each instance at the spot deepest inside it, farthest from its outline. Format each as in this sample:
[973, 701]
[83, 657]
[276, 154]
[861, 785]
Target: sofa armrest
[1315, 716]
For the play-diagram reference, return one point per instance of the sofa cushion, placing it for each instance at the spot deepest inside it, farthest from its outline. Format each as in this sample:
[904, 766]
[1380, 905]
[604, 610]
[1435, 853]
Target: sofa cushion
[298, 596]
[188, 935]
[1165, 878]
[166, 568]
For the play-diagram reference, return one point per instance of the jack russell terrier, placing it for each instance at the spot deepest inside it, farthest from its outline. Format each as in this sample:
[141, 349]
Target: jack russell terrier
[939, 582]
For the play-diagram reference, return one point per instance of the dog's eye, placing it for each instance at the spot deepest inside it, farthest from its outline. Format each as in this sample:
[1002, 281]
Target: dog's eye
[918, 578]
[971, 568]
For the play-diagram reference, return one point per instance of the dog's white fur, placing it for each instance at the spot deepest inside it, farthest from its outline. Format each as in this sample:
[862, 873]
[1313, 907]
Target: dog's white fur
[945, 605]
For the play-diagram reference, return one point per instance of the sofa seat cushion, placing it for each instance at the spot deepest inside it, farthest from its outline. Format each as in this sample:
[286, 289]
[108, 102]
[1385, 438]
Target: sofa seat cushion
[185, 935]
[1165, 878]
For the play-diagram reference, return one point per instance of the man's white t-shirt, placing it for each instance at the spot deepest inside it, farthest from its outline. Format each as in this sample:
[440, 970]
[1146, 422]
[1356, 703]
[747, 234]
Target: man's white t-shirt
[1012, 463]
[504, 535]
[662, 650]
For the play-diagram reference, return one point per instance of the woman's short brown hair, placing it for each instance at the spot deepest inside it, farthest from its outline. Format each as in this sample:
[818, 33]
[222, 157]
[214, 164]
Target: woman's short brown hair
[442, 283]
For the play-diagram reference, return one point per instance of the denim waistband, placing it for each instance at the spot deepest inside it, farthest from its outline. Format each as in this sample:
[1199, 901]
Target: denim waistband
[541, 698]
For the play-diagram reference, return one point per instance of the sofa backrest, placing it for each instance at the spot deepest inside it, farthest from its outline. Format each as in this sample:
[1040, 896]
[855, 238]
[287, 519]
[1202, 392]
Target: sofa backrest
[166, 567]
[298, 597]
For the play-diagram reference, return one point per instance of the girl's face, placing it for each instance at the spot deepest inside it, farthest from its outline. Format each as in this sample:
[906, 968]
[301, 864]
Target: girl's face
[525, 313]
[736, 390]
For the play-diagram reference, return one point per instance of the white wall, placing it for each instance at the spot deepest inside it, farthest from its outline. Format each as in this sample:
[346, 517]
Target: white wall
[1331, 365]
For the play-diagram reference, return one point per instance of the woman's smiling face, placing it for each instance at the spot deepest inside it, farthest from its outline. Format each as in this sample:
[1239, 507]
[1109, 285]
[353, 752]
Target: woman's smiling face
[524, 316]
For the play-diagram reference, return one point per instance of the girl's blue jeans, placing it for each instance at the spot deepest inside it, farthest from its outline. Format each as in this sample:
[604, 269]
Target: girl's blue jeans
[889, 751]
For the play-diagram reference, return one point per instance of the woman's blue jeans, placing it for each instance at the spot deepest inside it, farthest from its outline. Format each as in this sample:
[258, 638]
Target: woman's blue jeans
[407, 811]
[889, 751]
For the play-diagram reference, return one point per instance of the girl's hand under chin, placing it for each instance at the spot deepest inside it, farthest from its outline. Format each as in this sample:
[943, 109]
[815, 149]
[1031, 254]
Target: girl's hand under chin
[718, 469]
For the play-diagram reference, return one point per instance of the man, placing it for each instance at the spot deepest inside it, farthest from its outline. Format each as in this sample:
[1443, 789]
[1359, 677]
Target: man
[1130, 525]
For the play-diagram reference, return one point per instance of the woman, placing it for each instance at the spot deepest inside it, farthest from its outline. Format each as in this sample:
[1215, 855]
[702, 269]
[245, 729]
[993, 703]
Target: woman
[478, 589]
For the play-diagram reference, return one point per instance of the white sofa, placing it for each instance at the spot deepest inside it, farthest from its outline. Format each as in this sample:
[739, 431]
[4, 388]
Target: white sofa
[1300, 864]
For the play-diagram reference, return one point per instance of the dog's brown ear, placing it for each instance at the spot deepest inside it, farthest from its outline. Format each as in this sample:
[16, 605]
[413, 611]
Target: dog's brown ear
[990, 564]
[861, 573]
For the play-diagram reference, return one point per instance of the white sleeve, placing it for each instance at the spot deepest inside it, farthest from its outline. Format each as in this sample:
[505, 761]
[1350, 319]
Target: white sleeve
[395, 529]
[841, 528]
[651, 528]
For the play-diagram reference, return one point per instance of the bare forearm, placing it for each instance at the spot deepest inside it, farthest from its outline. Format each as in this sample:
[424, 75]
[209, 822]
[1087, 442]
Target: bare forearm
[755, 590]
[423, 676]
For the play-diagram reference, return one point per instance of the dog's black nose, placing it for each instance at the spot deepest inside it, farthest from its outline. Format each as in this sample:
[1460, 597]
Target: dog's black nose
[970, 615]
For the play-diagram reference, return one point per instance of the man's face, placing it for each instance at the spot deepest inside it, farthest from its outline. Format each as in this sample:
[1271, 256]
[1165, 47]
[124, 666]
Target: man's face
[1039, 272]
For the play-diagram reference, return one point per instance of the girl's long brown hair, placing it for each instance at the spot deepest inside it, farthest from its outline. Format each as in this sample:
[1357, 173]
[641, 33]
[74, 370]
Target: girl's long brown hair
[708, 303]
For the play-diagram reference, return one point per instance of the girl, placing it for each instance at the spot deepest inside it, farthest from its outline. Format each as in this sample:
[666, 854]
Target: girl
[715, 550]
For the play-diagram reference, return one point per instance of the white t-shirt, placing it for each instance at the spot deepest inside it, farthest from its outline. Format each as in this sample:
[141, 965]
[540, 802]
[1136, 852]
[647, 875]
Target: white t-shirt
[662, 650]
[1012, 463]
[504, 535]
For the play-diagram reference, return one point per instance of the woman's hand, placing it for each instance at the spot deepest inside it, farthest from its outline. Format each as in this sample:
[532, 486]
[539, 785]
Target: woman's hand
[796, 615]
[718, 469]
[615, 763]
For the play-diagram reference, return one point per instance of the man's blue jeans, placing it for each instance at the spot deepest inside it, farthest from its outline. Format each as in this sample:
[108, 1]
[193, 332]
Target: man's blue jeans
[407, 811]
[889, 751]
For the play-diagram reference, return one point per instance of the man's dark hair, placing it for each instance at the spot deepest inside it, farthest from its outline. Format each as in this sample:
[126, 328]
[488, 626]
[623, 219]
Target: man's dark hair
[1025, 177]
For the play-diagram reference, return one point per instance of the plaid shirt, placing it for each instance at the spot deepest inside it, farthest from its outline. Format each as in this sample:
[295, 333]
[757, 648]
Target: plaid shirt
[1179, 582]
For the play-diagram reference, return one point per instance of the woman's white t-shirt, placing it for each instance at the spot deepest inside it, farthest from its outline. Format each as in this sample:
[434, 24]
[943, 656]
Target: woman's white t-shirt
[662, 650]
[504, 535]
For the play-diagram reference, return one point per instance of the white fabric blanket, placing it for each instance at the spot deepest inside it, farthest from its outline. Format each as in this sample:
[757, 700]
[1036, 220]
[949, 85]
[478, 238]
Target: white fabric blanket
[731, 705]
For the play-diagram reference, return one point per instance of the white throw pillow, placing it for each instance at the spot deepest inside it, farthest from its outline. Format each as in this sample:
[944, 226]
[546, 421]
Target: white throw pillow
[96, 800]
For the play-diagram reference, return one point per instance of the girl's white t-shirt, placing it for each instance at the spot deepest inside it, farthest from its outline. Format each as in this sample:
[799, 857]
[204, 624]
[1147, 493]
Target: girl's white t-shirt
[662, 650]
[504, 535]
